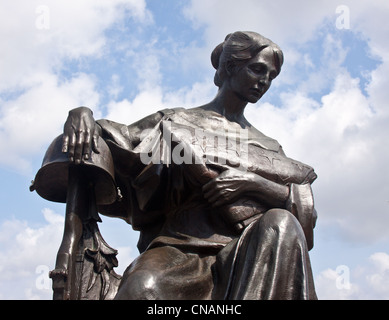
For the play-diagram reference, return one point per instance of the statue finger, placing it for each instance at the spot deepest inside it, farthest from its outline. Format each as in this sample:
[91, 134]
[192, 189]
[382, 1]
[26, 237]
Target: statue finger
[207, 187]
[95, 145]
[87, 145]
[216, 196]
[79, 147]
[71, 146]
[209, 194]
[210, 186]
[65, 143]
[210, 189]
[67, 136]
[222, 200]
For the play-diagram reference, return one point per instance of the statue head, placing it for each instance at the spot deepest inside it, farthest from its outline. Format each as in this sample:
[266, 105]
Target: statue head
[237, 49]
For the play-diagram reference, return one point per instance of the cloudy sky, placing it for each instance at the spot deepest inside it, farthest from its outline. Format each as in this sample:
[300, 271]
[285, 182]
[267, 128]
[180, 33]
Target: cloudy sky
[126, 59]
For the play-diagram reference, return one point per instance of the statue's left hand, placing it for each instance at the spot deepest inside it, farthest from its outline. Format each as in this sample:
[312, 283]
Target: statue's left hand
[227, 187]
[80, 135]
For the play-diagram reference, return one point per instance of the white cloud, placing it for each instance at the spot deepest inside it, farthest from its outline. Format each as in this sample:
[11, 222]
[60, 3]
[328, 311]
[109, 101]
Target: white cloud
[39, 40]
[154, 98]
[331, 286]
[379, 280]
[33, 119]
[369, 19]
[369, 280]
[377, 89]
[27, 254]
[73, 30]
[282, 21]
[115, 88]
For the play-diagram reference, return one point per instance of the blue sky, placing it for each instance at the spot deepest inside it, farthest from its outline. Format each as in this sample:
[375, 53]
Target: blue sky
[126, 59]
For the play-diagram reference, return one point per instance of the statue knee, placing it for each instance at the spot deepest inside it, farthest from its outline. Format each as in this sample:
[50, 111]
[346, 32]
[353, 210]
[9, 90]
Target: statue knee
[138, 285]
[278, 216]
[283, 221]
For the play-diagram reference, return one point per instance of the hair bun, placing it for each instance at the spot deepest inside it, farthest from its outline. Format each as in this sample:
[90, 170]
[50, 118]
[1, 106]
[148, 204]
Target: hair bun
[215, 56]
[217, 52]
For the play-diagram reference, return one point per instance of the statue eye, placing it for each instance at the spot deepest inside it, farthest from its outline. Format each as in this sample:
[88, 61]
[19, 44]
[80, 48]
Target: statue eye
[257, 68]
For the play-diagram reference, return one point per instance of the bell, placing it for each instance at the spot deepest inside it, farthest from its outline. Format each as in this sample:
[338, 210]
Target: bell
[51, 180]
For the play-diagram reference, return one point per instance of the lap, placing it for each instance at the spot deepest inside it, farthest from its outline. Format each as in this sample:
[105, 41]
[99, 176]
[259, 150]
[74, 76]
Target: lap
[260, 260]
[167, 273]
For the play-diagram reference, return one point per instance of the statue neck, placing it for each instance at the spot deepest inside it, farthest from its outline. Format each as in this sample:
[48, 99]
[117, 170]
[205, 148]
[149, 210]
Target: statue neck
[229, 104]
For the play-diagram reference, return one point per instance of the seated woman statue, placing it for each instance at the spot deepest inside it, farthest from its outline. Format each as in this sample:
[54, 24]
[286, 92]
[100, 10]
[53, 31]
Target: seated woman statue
[222, 212]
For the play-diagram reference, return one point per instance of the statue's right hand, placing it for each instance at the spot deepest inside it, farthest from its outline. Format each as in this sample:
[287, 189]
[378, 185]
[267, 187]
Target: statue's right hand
[80, 135]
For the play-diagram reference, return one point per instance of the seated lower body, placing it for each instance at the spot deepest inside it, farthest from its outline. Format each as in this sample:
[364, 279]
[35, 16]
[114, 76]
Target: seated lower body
[269, 261]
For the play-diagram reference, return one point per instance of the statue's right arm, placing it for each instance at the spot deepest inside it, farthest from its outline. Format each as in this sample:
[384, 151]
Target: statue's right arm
[128, 136]
[81, 133]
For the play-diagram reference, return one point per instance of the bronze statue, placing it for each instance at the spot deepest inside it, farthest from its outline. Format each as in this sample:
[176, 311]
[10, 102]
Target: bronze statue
[222, 212]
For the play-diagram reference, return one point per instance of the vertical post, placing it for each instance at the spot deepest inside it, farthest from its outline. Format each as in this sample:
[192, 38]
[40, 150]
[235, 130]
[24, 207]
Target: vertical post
[65, 282]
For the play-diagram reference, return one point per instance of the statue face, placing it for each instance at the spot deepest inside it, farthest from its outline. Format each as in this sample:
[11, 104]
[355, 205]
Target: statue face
[251, 81]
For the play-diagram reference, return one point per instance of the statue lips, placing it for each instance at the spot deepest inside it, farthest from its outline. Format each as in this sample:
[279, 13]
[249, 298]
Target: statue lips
[257, 92]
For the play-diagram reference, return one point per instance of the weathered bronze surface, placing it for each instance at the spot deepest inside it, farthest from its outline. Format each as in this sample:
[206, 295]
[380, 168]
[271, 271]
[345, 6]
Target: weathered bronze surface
[222, 212]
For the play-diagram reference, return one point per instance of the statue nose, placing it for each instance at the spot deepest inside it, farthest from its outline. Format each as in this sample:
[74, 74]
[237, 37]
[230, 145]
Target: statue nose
[264, 81]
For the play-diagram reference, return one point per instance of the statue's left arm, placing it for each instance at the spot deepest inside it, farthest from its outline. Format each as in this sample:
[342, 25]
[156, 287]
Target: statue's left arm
[297, 198]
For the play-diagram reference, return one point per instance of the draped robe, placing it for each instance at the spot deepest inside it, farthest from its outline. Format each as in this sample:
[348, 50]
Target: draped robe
[190, 249]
